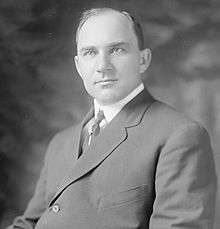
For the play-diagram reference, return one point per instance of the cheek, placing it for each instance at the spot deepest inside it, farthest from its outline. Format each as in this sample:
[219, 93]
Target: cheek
[86, 71]
[127, 68]
[127, 63]
[87, 80]
[87, 75]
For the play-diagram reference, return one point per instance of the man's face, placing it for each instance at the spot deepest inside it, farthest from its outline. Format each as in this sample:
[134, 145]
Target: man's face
[108, 58]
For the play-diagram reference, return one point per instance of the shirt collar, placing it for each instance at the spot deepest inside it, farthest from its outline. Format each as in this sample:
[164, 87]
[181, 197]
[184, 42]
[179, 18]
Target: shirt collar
[110, 111]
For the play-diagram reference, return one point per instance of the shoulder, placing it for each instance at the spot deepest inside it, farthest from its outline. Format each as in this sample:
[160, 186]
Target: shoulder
[168, 116]
[167, 122]
[180, 137]
[60, 141]
[62, 136]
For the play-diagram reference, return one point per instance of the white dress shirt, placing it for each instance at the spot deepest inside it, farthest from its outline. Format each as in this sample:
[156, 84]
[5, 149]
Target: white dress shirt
[110, 111]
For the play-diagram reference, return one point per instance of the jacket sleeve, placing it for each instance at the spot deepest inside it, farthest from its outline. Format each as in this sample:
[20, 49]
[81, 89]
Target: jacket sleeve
[185, 182]
[37, 204]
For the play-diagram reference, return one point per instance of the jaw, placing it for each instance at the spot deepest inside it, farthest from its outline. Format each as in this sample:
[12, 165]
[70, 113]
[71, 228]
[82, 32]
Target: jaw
[106, 97]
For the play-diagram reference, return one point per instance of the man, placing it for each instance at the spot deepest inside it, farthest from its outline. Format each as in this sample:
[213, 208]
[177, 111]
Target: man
[137, 163]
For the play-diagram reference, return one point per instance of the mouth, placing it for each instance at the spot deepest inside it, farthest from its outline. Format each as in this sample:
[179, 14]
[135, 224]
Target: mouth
[105, 81]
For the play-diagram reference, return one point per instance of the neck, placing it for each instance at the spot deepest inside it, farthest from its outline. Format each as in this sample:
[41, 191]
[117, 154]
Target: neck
[110, 111]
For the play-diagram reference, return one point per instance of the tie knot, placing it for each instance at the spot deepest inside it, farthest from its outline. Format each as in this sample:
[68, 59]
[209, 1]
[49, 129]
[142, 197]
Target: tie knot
[95, 128]
[99, 118]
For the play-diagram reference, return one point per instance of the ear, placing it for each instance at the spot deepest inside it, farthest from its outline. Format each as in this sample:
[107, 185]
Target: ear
[145, 59]
[76, 60]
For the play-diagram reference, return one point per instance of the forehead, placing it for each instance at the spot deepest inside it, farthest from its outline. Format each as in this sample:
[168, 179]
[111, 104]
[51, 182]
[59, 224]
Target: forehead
[106, 28]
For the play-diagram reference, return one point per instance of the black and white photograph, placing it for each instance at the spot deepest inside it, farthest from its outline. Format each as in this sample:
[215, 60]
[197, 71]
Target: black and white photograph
[109, 114]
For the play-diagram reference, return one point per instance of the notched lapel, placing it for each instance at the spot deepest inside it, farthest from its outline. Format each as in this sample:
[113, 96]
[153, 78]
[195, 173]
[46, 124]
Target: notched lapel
[107, 141]
[72, 148]
[103, 145]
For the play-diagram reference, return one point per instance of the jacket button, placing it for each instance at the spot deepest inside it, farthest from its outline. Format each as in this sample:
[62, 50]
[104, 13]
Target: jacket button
[55, 208]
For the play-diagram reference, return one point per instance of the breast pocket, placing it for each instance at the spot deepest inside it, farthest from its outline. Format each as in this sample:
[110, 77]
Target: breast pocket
[124, 197]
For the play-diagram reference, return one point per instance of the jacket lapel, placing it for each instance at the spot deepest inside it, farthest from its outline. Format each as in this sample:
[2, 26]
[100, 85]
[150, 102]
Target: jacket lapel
[110, 138]
[72, 148]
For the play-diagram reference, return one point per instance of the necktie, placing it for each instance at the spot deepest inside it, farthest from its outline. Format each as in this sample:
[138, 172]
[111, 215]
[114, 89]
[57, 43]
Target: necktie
[92, 131]
[95, 128]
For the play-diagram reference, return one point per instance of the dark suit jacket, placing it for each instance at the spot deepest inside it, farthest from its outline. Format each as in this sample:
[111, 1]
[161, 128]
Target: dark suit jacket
[151, 167]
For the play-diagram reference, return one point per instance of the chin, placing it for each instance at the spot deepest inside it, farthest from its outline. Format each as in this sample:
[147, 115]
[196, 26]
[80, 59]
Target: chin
[108, 101]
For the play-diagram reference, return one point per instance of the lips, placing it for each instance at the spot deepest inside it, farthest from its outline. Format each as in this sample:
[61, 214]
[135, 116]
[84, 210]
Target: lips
[105, 81]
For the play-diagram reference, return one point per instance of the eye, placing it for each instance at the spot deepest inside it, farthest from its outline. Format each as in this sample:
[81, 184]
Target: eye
[117, 50]
[89, 52]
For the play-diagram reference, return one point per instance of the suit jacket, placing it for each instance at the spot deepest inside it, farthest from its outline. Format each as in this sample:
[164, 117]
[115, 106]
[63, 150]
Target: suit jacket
[151, 167]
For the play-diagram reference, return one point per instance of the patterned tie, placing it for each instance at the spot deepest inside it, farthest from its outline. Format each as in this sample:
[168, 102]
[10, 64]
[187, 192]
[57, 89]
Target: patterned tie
[94, 130]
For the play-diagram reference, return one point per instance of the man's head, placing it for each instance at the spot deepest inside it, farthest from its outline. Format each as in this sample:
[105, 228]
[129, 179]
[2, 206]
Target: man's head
[110, 55]
[98, 11]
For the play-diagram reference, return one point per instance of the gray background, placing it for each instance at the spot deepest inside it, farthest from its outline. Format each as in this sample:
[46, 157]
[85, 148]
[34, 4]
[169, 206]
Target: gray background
[41, 93]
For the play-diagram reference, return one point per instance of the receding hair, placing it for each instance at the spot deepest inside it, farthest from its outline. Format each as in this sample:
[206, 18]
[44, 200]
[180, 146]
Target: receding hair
[99, 11]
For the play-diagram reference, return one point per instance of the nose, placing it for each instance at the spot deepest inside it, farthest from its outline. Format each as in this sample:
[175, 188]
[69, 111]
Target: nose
[104, 64]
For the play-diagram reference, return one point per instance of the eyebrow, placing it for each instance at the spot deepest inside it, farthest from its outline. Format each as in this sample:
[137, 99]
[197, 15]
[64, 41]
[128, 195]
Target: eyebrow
[120, 43]
[110, 45]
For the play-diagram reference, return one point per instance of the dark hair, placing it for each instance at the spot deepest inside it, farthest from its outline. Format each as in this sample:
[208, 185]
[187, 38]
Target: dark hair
[98, 11]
